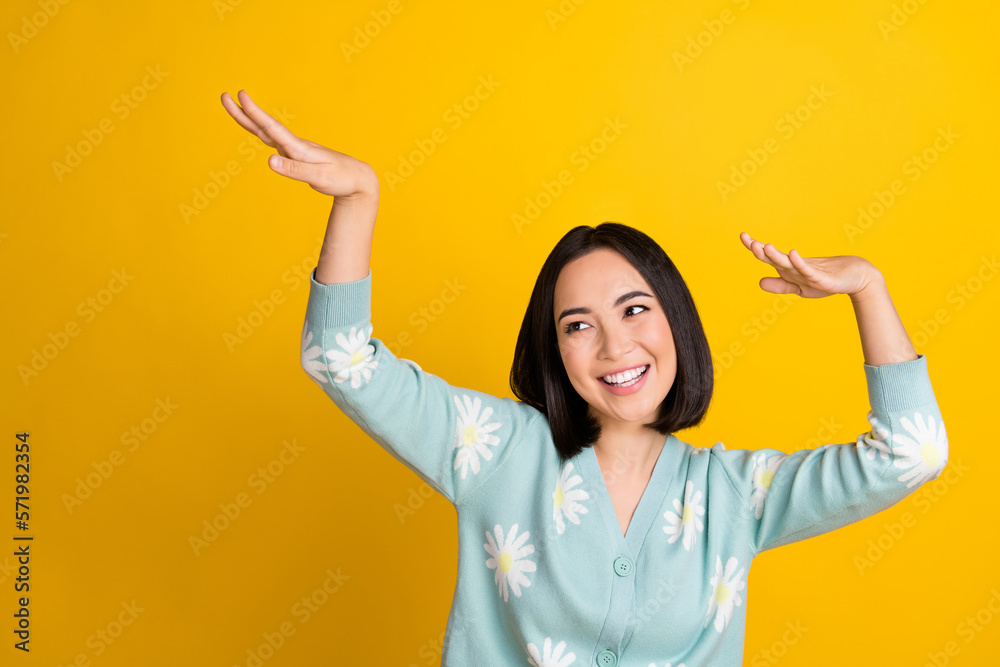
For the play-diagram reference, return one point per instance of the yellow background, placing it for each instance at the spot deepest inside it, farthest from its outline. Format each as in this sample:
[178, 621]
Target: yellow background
[163, 337]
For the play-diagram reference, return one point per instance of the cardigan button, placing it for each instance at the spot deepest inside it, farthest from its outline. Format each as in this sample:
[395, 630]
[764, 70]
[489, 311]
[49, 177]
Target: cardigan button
[606, 659]
[623, 566]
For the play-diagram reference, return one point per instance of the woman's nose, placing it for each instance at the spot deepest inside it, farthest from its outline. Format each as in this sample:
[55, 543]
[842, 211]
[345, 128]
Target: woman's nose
[614, 341]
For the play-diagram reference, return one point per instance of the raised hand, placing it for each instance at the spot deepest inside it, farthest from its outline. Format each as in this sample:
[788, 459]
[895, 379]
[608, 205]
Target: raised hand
[811, 277]
[324, 169]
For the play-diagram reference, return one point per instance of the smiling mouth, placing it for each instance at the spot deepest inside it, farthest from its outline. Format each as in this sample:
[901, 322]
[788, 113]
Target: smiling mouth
[628, 383]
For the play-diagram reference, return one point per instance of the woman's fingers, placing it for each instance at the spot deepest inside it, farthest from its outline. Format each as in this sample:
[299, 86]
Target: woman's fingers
[777, 285]
[326, 170]
[299, 171]
[767, 252]
[757, 248]
[812, 278]
[778, 258]
[749, 243]
[754, 246]
[271, 128]
[800, 264]
[257, 121]
[243, 119]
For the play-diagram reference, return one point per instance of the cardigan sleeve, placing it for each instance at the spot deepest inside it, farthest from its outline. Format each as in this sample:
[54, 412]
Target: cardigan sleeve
[452, 438]
[791, 497]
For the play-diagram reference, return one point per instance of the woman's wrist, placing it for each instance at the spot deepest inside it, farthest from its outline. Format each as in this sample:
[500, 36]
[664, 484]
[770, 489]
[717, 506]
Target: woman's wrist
[873, 282]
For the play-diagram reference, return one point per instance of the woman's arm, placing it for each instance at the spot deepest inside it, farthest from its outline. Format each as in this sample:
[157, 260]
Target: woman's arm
[452, 437]
[347, 248]
[883, 338]
[791, 497]
[353, 184]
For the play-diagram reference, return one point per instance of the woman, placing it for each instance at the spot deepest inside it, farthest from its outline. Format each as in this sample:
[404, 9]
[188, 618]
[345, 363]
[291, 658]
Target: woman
[588, 533]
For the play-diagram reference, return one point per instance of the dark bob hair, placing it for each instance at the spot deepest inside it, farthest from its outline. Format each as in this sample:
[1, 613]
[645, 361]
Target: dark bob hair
[538, 376]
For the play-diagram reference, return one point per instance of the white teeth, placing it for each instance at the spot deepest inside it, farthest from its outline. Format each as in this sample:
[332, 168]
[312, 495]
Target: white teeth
[627, 378]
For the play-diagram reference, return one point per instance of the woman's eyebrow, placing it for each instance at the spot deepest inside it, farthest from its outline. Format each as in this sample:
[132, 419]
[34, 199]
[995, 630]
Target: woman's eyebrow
[622, 299]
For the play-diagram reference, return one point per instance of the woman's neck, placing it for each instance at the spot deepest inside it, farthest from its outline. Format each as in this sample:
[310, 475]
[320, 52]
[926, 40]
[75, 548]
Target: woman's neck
[629, 456]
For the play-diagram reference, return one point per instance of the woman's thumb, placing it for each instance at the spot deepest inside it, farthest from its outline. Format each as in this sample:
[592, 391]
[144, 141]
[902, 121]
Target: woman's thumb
[299, 171]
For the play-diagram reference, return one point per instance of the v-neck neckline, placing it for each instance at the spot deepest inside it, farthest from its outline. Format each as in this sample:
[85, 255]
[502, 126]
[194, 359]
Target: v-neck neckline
[649, 502]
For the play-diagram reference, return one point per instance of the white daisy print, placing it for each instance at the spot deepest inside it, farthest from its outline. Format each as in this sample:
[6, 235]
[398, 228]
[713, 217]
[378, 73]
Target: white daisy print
[875, 440]
[314, 367]
[507, 559]
[924, 454]
[699, 450]
[764, 468]
[566, 499]
[473, 434]
[550, 657]
[726, 587]
[354, 359]
[684, 520]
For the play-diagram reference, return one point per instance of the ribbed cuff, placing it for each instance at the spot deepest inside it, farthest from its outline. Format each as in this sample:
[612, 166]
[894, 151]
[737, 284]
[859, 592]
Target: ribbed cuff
[339, 304]
[899, 386]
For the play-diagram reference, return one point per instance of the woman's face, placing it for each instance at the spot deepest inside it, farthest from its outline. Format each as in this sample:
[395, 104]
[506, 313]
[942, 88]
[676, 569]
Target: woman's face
[609, 337]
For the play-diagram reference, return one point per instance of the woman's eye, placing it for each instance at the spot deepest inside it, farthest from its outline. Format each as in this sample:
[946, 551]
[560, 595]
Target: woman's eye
[569, 327]
[636, 306]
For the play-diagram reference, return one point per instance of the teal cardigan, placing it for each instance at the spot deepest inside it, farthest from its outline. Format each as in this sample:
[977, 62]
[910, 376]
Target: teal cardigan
[545, 576]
